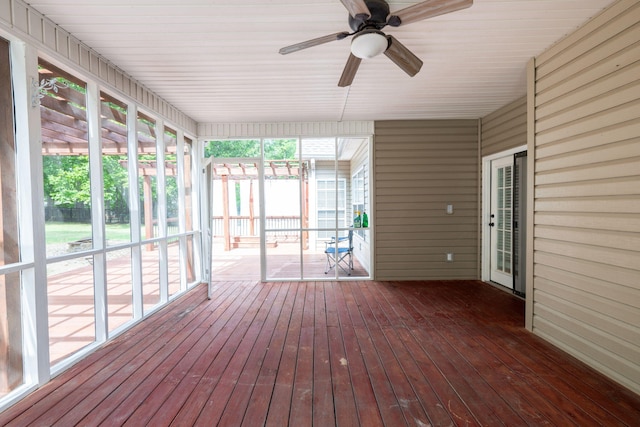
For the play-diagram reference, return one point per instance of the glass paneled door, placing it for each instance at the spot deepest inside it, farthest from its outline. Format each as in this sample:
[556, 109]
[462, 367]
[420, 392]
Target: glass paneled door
[501, 221]
[285, 213]
[235, 218]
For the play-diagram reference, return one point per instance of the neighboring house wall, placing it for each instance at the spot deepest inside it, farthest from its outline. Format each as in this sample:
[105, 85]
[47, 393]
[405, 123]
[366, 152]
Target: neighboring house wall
[419, 168]
[325, 170]
[587, 194]
[362, 238]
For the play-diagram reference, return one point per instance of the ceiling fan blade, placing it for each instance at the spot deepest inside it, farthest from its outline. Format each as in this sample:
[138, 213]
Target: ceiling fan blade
[357, 7]
[403, 57]
[427, 9]
[313, 42]
[349, 71]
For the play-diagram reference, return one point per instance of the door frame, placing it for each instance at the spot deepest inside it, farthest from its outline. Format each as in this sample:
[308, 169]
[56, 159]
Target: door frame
[208, 236]
[485, 218]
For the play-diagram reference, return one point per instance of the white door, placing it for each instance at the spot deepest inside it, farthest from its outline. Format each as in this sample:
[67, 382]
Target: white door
[501, 221]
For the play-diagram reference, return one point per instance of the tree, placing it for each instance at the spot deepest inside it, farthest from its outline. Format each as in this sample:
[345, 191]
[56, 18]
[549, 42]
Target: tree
[280, 149]
[233, 148]
[274, 149]
[66, 180]
[116, 184]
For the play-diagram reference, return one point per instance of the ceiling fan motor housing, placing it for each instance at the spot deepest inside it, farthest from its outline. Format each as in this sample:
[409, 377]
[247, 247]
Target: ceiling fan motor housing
[379, 10]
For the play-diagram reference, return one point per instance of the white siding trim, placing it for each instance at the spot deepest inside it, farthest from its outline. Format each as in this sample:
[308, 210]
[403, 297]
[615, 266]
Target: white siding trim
[285, 129]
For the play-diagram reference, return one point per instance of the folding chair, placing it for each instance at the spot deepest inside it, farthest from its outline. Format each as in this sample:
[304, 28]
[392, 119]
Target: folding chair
[340, 253]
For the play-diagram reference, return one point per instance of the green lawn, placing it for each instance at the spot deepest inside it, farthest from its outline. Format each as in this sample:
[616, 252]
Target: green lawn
[63, 232]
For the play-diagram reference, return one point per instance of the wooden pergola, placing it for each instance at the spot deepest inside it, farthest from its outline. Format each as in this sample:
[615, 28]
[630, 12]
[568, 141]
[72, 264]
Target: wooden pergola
[65, 132]
[273, 170]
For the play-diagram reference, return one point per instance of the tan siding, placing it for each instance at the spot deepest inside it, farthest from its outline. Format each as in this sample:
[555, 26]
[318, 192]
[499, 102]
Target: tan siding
[505, 128]
[420, 167]
[587, 194]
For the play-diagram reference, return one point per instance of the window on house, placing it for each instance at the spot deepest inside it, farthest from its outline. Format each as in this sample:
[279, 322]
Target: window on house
[326, 205]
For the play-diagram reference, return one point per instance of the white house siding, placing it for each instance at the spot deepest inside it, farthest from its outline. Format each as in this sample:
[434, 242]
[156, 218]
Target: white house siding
[587, 194]
[325, 170]
[362, 246]
[419, 168]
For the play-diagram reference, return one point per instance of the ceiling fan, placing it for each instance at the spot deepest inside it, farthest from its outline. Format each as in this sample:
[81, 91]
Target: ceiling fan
[367, 18]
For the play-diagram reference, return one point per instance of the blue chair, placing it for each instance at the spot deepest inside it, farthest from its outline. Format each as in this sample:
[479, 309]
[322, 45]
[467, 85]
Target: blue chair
[340, 253]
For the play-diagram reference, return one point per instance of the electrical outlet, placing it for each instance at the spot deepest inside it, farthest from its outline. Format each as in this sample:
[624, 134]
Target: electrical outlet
[449, 257]
[449, 209]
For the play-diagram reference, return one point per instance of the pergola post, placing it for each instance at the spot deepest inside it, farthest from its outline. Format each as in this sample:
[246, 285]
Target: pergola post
[225, 212]
[252, 228]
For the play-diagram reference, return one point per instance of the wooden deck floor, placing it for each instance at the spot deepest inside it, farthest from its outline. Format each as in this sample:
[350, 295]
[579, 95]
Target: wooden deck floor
[331, 353]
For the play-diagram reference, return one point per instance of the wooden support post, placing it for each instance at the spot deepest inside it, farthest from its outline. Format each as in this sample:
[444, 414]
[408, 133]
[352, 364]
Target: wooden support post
[10, 303]
[225, 212]
[252, 228]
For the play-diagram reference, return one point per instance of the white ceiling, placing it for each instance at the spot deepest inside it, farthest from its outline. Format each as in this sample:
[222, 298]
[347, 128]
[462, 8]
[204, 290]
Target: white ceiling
[218, 60]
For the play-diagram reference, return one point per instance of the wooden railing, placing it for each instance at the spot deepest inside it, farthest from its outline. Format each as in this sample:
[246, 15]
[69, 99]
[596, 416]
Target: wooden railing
[241, 225]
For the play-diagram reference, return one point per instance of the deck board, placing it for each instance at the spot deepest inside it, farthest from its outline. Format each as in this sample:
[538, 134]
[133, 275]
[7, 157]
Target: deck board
[397, 339]
[82, 377]
[331, 353]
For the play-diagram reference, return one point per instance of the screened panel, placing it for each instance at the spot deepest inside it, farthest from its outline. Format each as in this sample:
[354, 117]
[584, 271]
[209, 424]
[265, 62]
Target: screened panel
[147, 181]
[115, 178]
[70, 295]
[171, 180]
[119, 288]
[65, 160]
[188, 184]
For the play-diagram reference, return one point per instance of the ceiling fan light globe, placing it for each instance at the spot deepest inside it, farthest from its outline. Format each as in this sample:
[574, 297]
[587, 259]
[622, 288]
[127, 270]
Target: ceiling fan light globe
[368, 44]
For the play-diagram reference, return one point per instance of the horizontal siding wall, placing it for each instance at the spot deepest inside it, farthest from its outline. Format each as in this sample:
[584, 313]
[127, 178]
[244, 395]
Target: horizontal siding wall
[587, 194]
[284, 129]
[505, 128]
[21, 19]
[420, 167]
